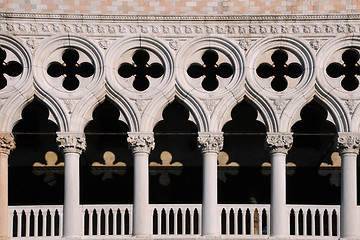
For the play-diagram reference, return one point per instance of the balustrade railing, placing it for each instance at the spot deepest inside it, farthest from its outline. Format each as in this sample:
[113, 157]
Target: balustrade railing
[107, 220]
[35, 221]
[176, 219]
[184, 220]
[244, 219]
[314, 220]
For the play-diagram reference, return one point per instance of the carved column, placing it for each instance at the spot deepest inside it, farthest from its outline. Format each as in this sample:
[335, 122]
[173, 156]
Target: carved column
[278, 144]
[141, 144]
[72, 145]
[7, 144]
[348, 145]
[210, 145]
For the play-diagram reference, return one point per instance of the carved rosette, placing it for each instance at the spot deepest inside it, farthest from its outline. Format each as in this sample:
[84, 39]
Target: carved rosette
[210, 142]
[141, 142]
[279, 142]
[71, 142]
[348, 143]
[7, 143]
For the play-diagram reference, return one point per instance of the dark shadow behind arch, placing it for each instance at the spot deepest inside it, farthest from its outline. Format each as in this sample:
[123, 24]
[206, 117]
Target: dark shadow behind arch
[35, 135]
[106, 184]
[314, 139]
[177, 135]
[244, 139]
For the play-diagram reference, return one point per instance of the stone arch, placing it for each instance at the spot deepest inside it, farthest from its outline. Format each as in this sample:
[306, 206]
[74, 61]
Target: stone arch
[19, 91]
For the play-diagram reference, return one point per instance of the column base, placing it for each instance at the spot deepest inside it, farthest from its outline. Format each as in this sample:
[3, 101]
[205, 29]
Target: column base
[349, 238]
[4, 238]
[278, 237]
[72, 237]
[142, 236]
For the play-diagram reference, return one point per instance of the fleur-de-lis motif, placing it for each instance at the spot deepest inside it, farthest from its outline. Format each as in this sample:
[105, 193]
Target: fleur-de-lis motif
[141, 70]
[349, 69]
[279, 70]
[70, 68]
[210, 70]
[11, 69]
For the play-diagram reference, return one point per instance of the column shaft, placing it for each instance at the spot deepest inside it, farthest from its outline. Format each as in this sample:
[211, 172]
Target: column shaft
[141, 216]
[3, 196]
[348, 212]
[72, 214]
[279, 215]
[72, 144]
[7, 144]
[141, 144]
[210, 218]
[348, 145]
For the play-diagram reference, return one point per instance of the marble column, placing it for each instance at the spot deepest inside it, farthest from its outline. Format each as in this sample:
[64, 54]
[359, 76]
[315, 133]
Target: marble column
[7, 144]
[348, 145]
[72, 145]
[278, 145]
[210, 145]
[141, 144]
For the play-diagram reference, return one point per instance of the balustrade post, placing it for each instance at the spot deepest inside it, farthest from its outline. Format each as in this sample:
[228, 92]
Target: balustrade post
[72, 145]
[210, 145]
[278, 145]
[141, 144]
[7, 144]
[348, 145]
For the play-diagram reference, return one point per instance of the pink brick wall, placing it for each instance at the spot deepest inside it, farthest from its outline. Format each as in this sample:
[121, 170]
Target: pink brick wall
[176, 7]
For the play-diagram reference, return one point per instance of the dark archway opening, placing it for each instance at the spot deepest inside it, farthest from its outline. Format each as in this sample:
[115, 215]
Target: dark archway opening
[35, 137]
[244, 138]
[316, 179]
[106, 166]
[175, 163]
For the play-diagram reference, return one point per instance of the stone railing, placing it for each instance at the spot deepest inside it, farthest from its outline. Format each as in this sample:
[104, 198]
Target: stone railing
[171, 220]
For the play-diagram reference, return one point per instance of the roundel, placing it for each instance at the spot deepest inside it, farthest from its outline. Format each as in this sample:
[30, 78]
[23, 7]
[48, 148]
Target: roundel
[280, 66]
[210, 66]
[140, 66]
[68, 66]
[339, 67]
[14, 66]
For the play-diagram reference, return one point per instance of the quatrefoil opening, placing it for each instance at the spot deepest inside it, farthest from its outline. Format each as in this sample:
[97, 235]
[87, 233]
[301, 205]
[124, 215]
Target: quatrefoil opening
[11, 69]
[141, 70]
[349, 69]
[210, 70]
[70, 69]
[279, 70]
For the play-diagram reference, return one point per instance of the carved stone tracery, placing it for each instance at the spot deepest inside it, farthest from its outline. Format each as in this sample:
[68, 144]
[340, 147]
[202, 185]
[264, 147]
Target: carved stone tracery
[348, 143]
[141, 142]
[7, 143]
[71, 142]
[279, 142]
[210, 142]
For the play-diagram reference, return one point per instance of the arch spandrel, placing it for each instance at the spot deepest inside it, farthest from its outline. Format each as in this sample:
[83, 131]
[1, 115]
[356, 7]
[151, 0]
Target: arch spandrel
[126, 60]
[344, 98]
[210, 101]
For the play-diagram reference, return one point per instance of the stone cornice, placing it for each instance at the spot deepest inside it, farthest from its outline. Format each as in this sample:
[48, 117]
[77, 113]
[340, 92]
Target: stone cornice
[172, 18]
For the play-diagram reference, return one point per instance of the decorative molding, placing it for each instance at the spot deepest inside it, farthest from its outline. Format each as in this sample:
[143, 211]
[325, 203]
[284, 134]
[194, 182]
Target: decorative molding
[279, 142]
[71, 142]
[210, 142]
[7, 143]
[348, 142]
[141, 142]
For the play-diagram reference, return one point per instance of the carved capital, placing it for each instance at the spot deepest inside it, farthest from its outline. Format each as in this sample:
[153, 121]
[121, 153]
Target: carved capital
[141, 142]
[71, 142]
[210, 142]
[279, 142]
[7, 143]
[348, 142]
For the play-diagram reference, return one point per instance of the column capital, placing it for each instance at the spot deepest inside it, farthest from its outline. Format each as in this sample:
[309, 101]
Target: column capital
[210, 142]
[348, 142]
[71, 142]
[141, 142]
[278, 142]
[7, 142]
